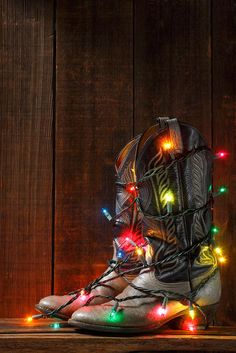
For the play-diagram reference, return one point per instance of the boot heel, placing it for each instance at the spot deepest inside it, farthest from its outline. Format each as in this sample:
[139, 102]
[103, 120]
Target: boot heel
[200, 322]
[210, 313]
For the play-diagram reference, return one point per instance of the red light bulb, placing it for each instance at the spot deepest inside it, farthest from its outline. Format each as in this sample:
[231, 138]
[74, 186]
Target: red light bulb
[221, 154]
[131, 188]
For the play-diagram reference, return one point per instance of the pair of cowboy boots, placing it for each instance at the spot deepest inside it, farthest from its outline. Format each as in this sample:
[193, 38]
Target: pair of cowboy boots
[164, 266]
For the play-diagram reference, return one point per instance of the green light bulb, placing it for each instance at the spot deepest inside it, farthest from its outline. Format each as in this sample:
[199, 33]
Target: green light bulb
[215, 230]
[116, 316]
[55, 325]
[222, 189]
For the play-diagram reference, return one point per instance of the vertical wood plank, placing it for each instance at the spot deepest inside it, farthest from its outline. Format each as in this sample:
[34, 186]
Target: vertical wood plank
[172, 62]
[26, 154]
[224, 132]
[94, 120]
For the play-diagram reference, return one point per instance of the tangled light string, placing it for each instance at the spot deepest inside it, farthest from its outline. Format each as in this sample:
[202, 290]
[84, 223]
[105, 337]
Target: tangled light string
[116, 266]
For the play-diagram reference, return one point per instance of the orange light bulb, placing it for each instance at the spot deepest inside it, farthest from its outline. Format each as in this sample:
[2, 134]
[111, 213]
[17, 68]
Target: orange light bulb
[167, 145]
[29, 319]
[222, 259]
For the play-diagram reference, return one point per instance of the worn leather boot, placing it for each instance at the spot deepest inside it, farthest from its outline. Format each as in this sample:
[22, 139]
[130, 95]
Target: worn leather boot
[124, 257]
[180, 274]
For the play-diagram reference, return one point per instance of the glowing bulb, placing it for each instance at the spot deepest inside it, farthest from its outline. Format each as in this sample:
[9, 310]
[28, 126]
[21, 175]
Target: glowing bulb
[222, 259]
[192, 312]
[139, 251]
[222, 189]
[131, 188]
[106, 214]
[29, 319]
[221, 154]
[169, 197]
[167, 145]
[120, 254]
[56, 325]
[218, 251]
[161, 311]
[215, 230]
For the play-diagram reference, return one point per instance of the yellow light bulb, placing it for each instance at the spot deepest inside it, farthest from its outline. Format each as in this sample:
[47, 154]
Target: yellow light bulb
[169, 197]
[139, 251]
[218, 251]
[192, 314]
[29, 319]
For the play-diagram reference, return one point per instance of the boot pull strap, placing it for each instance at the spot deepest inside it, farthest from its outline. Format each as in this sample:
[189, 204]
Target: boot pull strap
[174, 129]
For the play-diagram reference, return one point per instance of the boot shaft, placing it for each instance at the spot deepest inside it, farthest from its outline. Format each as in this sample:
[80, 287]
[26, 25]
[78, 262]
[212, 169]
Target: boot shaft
[169, 168]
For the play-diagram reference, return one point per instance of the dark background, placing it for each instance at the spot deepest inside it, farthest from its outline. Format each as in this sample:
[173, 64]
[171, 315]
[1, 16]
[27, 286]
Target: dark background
[78, 79]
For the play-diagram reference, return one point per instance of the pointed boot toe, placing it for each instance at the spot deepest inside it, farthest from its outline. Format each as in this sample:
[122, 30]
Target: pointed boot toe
[50, 303]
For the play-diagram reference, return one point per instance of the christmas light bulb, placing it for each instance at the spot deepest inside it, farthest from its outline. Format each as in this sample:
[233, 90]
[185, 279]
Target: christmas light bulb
[120, 254]
[215, 230]
[130, 241]
[169, 197]
[169, 200]
[55, 325]
[162, 310]
[222, 189]
[106, 214]
[139, 251]
[221, 155]
[167, 145]
[29, 319]
[191, 312]
[222, 259]
[218, 251]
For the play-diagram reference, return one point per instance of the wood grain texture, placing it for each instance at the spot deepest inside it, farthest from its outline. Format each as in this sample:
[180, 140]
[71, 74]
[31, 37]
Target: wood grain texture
[16, 336]
[93, 121]
[172, 75]
[224, 132]
[26, 154]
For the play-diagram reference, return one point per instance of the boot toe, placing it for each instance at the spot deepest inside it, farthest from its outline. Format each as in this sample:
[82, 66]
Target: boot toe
[52, 302]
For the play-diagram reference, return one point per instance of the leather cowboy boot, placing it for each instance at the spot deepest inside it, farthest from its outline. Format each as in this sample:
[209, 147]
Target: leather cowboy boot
[174, 200]
[123, 257]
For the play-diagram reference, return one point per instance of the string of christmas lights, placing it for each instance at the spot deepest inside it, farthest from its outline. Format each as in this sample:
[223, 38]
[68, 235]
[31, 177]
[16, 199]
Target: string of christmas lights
[122, 257]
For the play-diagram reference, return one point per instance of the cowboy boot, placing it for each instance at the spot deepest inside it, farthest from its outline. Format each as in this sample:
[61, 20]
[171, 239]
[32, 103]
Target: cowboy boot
[123, 258]
[174, 171]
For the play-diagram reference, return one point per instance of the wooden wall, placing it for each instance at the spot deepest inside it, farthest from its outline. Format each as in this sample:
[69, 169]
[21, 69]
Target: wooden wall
[78, 79]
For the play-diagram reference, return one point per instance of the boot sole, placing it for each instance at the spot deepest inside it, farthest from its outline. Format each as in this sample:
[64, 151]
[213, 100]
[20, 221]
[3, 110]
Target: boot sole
[47, 311]
[208, 310]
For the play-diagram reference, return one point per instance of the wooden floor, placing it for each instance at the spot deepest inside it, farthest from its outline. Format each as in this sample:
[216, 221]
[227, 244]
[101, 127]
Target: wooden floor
[18, 336]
